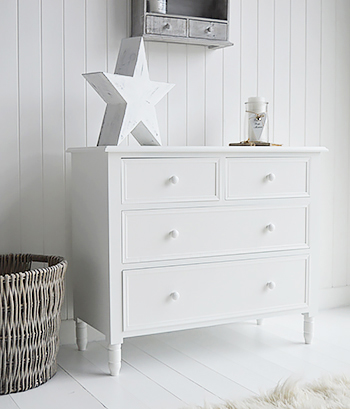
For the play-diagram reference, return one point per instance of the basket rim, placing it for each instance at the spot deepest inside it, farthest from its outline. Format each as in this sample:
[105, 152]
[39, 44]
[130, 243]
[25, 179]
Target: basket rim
[59, 263]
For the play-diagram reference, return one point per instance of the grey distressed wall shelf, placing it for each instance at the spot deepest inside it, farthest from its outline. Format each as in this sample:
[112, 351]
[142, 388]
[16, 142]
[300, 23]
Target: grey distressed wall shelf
[201, 22]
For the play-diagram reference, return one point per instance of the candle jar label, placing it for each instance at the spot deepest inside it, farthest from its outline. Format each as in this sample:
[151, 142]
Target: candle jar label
[256, 124]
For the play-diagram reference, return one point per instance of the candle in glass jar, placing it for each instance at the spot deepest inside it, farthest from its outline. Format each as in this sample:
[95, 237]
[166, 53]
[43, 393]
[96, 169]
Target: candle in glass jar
[256, 120]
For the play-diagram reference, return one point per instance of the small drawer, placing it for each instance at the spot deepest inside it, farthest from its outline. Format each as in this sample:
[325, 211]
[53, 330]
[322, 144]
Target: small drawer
[176, 27]
[170, 180]
[174, 296]
[207, 29]
[172, 234]
[266, 178]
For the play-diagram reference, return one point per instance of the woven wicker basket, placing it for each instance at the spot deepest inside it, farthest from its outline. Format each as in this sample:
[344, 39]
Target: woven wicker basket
[30, 308]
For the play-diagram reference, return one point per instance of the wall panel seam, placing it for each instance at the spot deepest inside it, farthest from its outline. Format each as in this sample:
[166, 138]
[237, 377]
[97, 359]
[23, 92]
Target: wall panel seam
[240, 68]
[187, 105]
[321, 73]
[274, 68]
[306, 70]
[290, 71]
[223, 99]
[65, 313]
[205, 99]
[85, 70]
[18, 126]
[257, 44]
[106, 37]
[42, 121]
[167, 97]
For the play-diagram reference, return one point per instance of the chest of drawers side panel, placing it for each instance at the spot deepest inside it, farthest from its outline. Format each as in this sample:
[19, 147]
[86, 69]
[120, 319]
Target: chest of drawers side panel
[315, 220]
[115, 246]
[90, 259]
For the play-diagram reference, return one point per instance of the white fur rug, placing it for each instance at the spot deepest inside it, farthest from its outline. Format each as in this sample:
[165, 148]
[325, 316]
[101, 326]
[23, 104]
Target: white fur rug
[325, 393]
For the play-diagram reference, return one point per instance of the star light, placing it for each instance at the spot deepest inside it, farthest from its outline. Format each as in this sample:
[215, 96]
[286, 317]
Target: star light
[130, 96]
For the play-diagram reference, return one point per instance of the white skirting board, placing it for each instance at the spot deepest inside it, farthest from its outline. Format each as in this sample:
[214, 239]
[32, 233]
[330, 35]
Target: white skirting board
[67, 333]
[334, 297]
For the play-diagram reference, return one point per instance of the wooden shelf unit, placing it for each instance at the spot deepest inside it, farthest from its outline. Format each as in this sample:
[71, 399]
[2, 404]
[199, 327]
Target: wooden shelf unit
[201, 22]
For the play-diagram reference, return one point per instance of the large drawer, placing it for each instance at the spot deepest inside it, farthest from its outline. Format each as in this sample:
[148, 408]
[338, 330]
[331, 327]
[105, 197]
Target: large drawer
[170, 180]
[265, 178]
[172, 296]
[201, 232]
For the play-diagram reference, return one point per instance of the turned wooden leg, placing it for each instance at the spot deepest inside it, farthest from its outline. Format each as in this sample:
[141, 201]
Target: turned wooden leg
[308, 328]
[114, 358]
[259, 321]
[81, 334]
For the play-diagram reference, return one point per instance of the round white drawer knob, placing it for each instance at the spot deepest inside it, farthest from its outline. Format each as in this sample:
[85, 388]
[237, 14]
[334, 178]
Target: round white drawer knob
[271, 227]
[271, 285]
[175, 295]
[271, 177]
[174, 234]
[174, 180]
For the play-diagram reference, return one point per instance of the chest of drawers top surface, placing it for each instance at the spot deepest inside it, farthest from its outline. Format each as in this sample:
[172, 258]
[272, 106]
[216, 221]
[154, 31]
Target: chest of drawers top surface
[183, 150]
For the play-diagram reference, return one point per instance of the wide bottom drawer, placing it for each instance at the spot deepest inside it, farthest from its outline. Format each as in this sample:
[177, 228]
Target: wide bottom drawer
[171, 296]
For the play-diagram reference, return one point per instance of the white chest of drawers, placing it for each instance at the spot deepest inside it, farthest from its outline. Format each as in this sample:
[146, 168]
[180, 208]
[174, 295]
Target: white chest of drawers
[175, 238]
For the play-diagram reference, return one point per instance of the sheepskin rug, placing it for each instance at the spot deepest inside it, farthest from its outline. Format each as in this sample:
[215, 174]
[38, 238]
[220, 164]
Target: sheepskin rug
[325, 393]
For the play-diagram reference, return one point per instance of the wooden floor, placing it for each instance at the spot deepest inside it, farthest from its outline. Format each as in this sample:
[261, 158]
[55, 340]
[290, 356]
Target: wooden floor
[171, 371]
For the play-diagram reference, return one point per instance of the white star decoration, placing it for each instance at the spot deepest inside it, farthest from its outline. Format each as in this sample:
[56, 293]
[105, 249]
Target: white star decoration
[130, 96]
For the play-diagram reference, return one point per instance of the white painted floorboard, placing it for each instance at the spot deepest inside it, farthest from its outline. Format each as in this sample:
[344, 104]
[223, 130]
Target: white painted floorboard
[63, 391]
[173, 370]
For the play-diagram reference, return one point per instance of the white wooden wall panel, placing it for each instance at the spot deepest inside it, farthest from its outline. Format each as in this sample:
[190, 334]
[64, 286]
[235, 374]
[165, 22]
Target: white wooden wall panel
[96, 60]
[293, 52]
[195, 95]
[74, 66]
[249, 54]
[266, 56]
[327, 133]
[74, 108]
[52, 128]
[313, 72]
[9, 152]
[297, 72]
[158, 71]
[213, 97]
[177, 101]
[341, 181]
[30, 125]
[281, 108]
[53, 143]
[117, 28]
[52, 78]
[231, 80]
